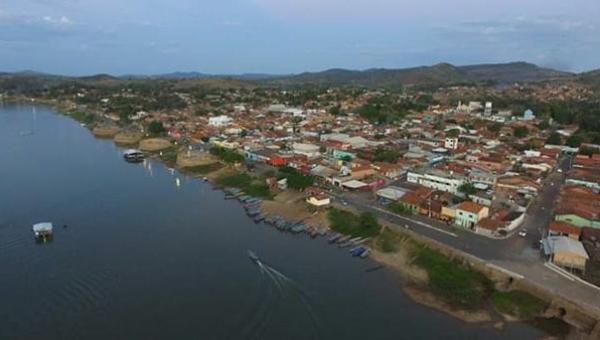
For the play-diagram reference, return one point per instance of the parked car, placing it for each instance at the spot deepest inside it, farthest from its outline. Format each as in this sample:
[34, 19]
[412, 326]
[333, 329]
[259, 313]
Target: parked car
[522, 233]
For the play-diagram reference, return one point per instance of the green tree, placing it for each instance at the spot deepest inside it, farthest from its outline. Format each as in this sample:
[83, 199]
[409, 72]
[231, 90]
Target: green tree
[574, 140]
[296, 180]
[467, 189]
[520, 131]
[335, 110]
[544, 124]
[453, 133]
[156, 128]
[494, 127]
[554, 139]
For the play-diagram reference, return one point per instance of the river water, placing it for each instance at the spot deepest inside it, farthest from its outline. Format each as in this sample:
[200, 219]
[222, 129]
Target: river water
[141, 258]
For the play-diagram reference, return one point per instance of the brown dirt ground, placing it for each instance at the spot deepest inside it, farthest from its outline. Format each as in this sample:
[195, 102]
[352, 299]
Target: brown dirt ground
[290, 205]
[154, 144]
[103, 131]
[128, 138]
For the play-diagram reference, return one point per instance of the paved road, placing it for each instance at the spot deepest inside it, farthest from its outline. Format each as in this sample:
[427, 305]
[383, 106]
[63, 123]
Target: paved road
[516, 254]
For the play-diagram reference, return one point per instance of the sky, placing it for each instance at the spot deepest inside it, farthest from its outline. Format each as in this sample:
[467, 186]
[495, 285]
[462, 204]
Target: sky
[84, 37]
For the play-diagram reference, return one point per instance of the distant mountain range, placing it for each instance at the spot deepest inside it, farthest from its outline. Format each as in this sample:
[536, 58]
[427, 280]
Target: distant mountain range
[436, 75]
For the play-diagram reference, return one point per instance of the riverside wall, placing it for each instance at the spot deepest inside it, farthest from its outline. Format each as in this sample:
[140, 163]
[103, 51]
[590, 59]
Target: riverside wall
[583, 317]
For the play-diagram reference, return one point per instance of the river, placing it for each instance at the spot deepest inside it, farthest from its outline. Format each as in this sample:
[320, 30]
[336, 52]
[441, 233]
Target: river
[135, 256]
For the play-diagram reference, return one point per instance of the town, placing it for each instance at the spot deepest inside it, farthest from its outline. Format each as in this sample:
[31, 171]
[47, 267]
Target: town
[509, 174]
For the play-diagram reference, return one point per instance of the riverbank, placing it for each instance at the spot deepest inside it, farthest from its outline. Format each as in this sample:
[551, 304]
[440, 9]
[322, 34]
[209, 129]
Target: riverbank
[451, 286]
[386, 244]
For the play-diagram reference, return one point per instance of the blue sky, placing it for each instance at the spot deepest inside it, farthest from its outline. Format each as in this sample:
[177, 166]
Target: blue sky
[79, 37]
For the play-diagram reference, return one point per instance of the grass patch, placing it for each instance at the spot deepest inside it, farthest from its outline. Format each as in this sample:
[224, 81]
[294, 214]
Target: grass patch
[388, 241]
[347, 223]
[400, 209]
[204, 169]
[168, 156]
[251, 186]
[82, 117]
[519, 304]
[452, 281]
[227, 155]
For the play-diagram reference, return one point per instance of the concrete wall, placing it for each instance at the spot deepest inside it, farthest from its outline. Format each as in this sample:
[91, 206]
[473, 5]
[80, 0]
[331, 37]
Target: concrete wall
[584, 318]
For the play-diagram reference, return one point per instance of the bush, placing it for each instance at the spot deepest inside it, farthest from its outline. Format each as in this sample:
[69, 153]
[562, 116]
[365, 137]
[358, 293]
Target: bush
[227, 155]
[347, 223]
[388, 241]
[156, 128]
[250, 186]
[296, 180]
[452, 281]
[205, 168]
[400, 209]
[520, 131]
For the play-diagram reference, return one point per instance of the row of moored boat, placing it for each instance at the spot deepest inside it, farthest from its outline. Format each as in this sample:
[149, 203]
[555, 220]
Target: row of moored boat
[354, 243]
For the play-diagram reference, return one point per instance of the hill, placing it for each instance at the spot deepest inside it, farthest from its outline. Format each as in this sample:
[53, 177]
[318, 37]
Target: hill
[590, 78]
[439, 74]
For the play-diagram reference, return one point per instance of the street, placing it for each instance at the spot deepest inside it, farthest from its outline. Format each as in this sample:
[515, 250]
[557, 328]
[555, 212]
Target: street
[515, 253]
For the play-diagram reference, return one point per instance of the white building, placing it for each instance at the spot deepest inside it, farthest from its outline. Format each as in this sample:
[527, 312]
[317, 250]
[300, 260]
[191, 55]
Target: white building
[488, 109]
[437, 180]
[528, 115]
[475, 106]
[308, 150]
[451, 143]
[219, 120]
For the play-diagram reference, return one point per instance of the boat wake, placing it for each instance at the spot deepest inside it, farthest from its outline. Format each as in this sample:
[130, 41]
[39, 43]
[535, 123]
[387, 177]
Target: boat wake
[286, 289]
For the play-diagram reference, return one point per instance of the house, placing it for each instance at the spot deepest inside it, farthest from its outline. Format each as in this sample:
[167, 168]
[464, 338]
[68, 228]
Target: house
[448, 213]
[451, 143]
[437, 180]
[519, 185]
[482, 197]
[431, 208]
[468, 214]
[564, 229]
[565, 252]
[580, 215]
[411, 201]
[317, 197]
[278, 161]
[391, 193]
[309, 150]
[219, 120]
[354, 185]
[528, 115]
[389, 170]
[584, 177]
[489, 226]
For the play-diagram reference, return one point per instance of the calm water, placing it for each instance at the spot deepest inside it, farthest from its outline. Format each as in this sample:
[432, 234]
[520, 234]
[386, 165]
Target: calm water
[144, 259]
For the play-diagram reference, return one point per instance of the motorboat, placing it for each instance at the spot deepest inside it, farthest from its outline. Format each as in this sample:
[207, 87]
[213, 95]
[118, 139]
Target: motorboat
[133, 155]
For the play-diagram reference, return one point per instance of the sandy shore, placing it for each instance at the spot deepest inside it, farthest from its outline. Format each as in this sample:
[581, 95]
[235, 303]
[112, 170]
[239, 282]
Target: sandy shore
[194, 158]
[154, 144]
[104, 131]
[291, 206]
[128, 138]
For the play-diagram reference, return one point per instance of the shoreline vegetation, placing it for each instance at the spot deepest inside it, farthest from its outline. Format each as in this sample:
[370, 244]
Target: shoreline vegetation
[426, 276]
[434, 280]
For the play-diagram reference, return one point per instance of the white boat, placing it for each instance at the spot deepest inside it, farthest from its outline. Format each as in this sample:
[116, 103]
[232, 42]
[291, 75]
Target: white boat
[133, 155]
[43, 230]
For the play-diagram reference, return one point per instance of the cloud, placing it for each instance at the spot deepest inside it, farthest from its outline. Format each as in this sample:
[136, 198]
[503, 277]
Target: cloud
[62, 21]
